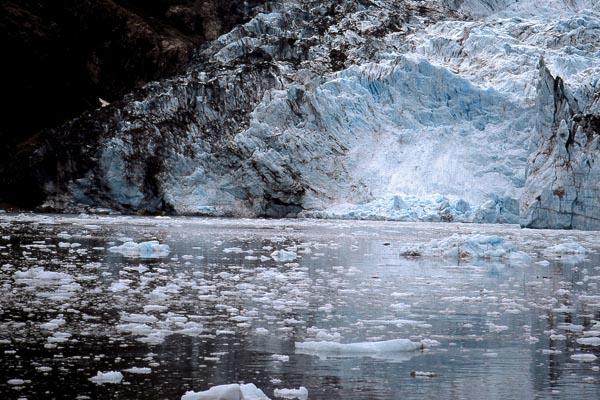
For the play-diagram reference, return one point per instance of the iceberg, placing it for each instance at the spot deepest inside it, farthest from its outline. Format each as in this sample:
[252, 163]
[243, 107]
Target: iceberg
[228, 392]
[360, 348]
[146, 250]
[107, 377]
[301, 393]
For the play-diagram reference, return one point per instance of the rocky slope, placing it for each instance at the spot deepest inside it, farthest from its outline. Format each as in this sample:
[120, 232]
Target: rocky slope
[413, 110]
[61, 57]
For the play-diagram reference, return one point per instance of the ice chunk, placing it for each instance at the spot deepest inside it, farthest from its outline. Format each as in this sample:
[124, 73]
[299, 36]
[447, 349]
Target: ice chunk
[566, 248]
[284, 255]
[470, 246]
[395, 345]
[149, 250]
[107, 377]
[424, 374]
[53, 324]
[589, 341]
[138, 370]
[301, 393]
[584, 357]
[228, 392]
[280, 357]
[138, 318]
[39, 276]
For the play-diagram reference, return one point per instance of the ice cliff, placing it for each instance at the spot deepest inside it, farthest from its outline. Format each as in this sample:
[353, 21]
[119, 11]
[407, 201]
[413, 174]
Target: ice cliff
[563, 182]
[442, 110]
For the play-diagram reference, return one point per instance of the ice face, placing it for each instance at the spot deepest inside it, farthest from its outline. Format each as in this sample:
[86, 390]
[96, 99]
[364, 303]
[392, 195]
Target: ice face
[369, 116]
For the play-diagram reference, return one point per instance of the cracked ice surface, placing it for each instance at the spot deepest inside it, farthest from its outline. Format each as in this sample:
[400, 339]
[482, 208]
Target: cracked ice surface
[361, 309]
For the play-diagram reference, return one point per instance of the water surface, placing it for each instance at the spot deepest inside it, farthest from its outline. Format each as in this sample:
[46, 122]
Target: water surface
[219, 309]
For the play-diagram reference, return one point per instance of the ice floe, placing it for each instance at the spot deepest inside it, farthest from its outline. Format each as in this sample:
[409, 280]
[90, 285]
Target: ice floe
[107, 377]
[284, 255]
[476, 246]
[364, 348]
[301, 393]
[233, 391]
[150, 250]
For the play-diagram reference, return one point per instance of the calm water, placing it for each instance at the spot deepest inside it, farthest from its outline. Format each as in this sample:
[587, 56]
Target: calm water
[213, 311]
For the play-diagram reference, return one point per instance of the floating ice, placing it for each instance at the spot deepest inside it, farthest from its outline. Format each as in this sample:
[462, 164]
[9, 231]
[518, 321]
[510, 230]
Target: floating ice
[280, 357]
[107, 377]
[53, 324]
[423, 374]
[566, 248]
[148, 250]
[584, 357]
[395, 345]
[228, 392]
[39, 276]
[284, 255]
[434, 208]
[138, 370]
[301, 393]
[589, 341]
[476, 246]
[138, 318]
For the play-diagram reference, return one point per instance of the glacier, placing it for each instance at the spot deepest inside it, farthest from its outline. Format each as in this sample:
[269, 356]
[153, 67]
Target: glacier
[414, 111]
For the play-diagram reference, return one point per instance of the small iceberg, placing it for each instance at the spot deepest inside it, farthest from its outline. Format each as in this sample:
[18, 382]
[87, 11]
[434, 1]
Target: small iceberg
[468, 247]
[360, 348]
[284, 255]
[107, 377]
[227, 392]
[301, 393]
[570, 248]
[147, 250]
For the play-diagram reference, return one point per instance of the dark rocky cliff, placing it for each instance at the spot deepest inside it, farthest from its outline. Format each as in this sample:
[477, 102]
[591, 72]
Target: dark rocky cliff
[62, 56]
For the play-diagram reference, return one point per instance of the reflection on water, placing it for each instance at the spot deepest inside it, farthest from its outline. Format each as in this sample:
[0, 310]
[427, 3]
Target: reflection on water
[219, 309]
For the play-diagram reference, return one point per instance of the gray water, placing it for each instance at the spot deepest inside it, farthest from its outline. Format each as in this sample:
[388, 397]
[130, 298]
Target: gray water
[217, 313]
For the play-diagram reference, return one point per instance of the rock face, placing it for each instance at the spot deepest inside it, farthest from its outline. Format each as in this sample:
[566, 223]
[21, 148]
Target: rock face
[412, 110]
[61, 56]
[563, 182]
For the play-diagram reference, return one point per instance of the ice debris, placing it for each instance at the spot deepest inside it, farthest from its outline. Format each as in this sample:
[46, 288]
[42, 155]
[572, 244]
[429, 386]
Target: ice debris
[284, 255]
[233, 391]
[476, 246]
[584, 357]
[430, 208]
[301, 393]
[138, 370]
[394, 345]
[107, 377]
[149, 250]
[565, 248]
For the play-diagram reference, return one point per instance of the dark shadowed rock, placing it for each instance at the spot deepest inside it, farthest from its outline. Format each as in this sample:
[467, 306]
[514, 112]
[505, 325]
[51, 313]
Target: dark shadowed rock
[61, 57]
